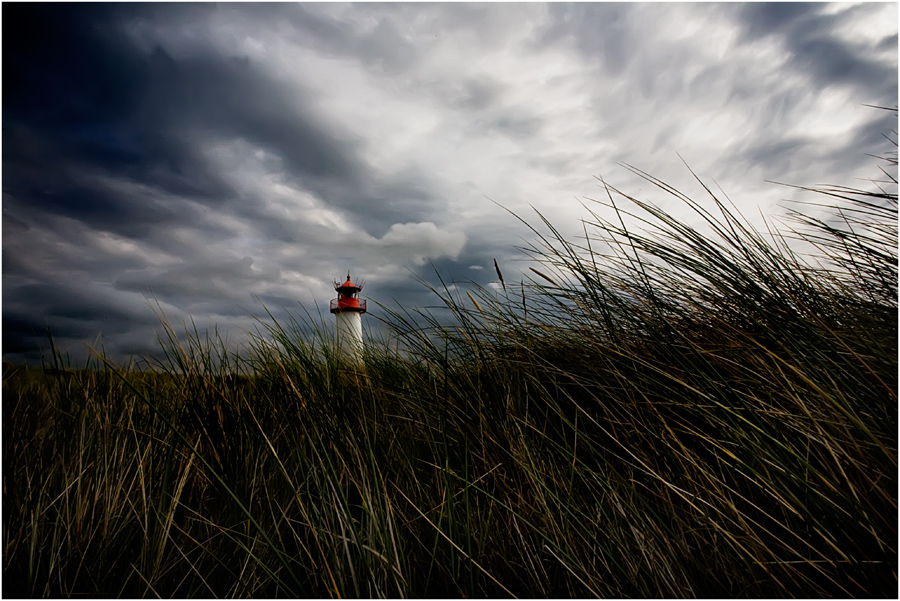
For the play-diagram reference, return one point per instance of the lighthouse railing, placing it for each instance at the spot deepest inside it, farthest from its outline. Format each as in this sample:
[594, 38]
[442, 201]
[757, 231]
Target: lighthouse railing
[359, 306]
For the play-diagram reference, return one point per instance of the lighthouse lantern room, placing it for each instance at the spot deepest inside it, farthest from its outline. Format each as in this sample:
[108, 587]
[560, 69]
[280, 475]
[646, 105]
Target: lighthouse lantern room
[348, 310]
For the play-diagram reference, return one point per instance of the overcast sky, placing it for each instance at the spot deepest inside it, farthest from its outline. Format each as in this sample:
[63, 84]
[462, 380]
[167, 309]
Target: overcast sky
[221, 157]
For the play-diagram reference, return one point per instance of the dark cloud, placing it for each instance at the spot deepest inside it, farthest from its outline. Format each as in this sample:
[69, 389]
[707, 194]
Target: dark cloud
[75, 108]
[600, 31]
[887, 44]
[216, 158]
[74, 314]
[21, 334]
[762, 19]
[107, 106]
[381, 47]
[808, 36]
[775, 157]
[475, 94]
[517, 127]
[832, 61]
[223, 279]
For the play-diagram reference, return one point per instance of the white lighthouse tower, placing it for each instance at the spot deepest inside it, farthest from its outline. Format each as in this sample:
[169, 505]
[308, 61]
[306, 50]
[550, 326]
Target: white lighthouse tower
[348, 310]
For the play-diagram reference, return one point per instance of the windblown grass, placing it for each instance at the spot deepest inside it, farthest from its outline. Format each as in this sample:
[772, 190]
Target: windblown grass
[660, 411]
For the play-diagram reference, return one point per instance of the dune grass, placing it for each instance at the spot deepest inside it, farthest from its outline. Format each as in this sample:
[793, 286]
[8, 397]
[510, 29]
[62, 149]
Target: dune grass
[660, 411]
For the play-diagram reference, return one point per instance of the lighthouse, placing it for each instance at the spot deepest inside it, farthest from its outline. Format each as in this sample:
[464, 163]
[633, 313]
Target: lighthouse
[348, 310]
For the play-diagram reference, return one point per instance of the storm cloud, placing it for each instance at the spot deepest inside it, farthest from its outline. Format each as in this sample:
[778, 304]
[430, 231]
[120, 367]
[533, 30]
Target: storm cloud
[210, 160]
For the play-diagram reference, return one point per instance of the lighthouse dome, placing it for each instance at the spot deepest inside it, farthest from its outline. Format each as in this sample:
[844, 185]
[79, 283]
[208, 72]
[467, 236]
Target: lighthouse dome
[348, 287]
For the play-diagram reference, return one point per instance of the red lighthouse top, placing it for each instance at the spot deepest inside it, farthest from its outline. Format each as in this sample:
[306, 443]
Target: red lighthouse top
[348, 297]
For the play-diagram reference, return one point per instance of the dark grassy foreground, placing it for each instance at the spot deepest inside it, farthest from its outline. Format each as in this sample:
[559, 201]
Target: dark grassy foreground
[661, 413]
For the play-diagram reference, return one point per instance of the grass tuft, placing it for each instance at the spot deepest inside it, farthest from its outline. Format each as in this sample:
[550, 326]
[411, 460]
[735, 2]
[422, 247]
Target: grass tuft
[666, 409]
